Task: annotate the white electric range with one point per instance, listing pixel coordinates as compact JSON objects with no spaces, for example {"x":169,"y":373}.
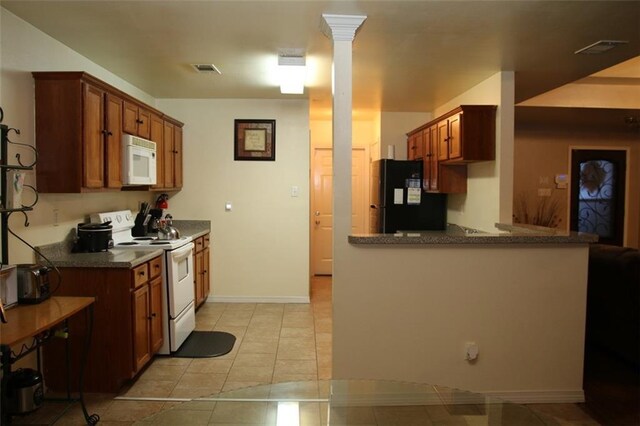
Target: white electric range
{"x":178,"y":299}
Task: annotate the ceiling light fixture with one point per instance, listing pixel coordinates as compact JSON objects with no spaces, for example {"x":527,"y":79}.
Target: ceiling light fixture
{"x":292,"y":73}
{"x":600,"y":47}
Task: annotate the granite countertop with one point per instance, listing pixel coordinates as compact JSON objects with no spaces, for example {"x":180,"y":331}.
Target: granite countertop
{"x":455,"y":234}
{"x":61,"y":256}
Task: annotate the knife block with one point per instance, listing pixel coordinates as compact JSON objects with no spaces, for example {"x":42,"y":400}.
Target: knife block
{"x":139,"y":229}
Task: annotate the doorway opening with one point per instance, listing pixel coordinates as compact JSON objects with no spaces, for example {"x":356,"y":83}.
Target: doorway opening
{"x":322,"y":204}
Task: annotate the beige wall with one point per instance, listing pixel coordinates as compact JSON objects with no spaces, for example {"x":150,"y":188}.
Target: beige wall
{"x":260,"y":249}
{"x":405,"y":313}
{"x":542,"y":153}
{"x":394,"y":129}
{"x":25,"y":49}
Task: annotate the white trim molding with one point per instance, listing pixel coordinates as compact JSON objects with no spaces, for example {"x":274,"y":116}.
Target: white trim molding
{"x":341,"y":27}
{"x":258,"y":299}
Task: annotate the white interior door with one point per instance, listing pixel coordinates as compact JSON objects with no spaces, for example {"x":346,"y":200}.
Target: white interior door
{"x":322,"y":207}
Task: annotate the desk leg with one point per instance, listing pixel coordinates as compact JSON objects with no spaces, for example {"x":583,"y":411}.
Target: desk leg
{"x":93,"y":418}
{"x":5,"y":358}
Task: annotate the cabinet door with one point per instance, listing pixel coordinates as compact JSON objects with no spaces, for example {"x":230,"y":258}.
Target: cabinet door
{"x":155,"y":301}
{"x":419,"y":146}
{"x":430,"y":160}
{"x":199,"y":285}
{"x":93,"y":146}
{"x":411,"y":147}
{"x":141,"y":327}
{"x":157,"y":136}
{"x":130,"y":118}
{"x":177,"y":157}
{"x":144,"y":123}
{"x":443,"y":138}
{"x":206,"y":273}
{"x":113,"y":141}
{"x":455,"y":143}
{"x":168,"y":154}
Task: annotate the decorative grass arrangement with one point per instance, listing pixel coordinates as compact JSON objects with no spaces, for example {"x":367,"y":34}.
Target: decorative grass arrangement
{"x":532,"y":209}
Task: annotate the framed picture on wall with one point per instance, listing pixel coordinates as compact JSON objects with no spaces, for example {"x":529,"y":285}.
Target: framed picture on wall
{"x":254,"y":140}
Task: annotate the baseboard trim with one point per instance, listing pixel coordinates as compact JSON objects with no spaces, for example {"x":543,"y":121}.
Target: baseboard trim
{"x":263,"y":299}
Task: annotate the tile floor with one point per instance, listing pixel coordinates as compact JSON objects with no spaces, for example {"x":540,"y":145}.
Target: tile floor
{"x":275,"y":343}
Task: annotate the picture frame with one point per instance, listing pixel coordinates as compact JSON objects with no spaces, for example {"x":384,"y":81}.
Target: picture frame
{"x":254,"y":140}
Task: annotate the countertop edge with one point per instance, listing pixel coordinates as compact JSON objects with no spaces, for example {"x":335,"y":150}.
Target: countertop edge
{"x":393,"y":239}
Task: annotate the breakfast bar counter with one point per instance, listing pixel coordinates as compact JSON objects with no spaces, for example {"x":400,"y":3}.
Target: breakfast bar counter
{"x":455,"y":234}
{"x":500,"y":313}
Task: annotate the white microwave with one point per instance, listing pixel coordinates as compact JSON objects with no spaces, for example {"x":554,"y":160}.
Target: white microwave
{"x":138,"y":161}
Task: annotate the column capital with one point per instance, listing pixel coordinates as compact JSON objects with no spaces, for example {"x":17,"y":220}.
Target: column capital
{"x":341,"y":27}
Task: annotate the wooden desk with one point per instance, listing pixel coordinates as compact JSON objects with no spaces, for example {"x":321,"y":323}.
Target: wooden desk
{"x":26,"y":321}
{"x":36,"y":322}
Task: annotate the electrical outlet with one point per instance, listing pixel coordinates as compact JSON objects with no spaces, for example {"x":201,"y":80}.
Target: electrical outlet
{"x":471,"y":351}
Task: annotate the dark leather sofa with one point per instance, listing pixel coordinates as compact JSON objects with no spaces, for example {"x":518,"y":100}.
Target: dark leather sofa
{"x":613,"y":301}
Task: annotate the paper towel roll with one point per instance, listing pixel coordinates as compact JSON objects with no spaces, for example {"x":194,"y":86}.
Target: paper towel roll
{"x":391,"y":152}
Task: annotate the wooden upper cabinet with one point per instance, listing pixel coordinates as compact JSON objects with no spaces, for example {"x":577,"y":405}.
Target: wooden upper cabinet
{"x":470,"y":134}
{"x":177,"y":157}
{"x":415,"y":146}
{"x":157,"y":136}
{"x":442,"y":135}
{"x":168,"y":154}
{"x":136,"y":120}
{"x":79,"y":124}
{"x":93,"y":137}
{"x":113,"y":141}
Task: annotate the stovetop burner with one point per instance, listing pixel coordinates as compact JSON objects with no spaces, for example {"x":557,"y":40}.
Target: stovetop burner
{"x":160,"y":242}
{"x":143,"y":238}
{"x":128,"y":243}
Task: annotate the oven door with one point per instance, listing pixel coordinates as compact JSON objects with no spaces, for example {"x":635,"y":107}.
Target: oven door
{"x":180,"y":279}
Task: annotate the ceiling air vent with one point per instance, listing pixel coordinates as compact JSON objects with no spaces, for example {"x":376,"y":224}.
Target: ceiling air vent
{"x":206,"y":68}
{"x":600,"y":47}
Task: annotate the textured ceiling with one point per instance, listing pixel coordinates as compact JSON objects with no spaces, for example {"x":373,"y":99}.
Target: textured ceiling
{"x":408,"y":55}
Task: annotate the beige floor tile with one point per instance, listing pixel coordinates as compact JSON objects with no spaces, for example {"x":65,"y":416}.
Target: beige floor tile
{"x":288,"y":377}
{"x":151,"y":388}
{"x":324,"y":373}
{"x":246,"y":388}
{"x":324,"y":325}
{"x":168,"y":360}
{"x":295,"y":366}
{"x":269,"y":307}
{"x":241,"y":412}
{"x":197,"y":384}
{"x":261,"y":334}
{"x":298,"y":307}
{"x":235,"y":307}
{"x":306,"y":332}
{"x":235,"y":318}
{"x":125,"y":411}
{"x":157,"y":371}
{"x":266,"y":347}
{"x":254,"y":360}
{"x":210,"y":365}
{"x":296,"y":348}
{"x":237,"y":331}
{"x":180,"y":418}
{"x":250,"y":374}
{"x":195,"y":405}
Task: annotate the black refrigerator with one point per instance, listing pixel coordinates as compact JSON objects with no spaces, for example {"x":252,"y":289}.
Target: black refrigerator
{"x":398,"y":202}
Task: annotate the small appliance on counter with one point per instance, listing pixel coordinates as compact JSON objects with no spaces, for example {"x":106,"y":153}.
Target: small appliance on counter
{"x":141,"y":221}
{"x":156,"y":215}
{"x":33,"y":283}
{"x":93,"y":237}
{"x":24,"y":391}
{"x":9,"y":285}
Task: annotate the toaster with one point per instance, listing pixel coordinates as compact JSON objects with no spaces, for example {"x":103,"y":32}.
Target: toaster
{"x":33,"y":283}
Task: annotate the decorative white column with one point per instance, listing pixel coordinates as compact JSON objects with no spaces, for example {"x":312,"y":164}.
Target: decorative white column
{"x":342,"y":30}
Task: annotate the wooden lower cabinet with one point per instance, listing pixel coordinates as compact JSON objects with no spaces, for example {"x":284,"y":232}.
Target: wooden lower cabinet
{"x":127,"y":327}
{"x":202,"y":277}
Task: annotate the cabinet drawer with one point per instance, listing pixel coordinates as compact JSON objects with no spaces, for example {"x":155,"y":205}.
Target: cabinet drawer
{"x":140,"y":275}
{"x":155,"y":267}
{"x":206,"y":241}
{"x":199,"y":243}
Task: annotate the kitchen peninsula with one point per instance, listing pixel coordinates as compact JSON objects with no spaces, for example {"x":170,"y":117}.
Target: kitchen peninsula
{"x":414,"y":306}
